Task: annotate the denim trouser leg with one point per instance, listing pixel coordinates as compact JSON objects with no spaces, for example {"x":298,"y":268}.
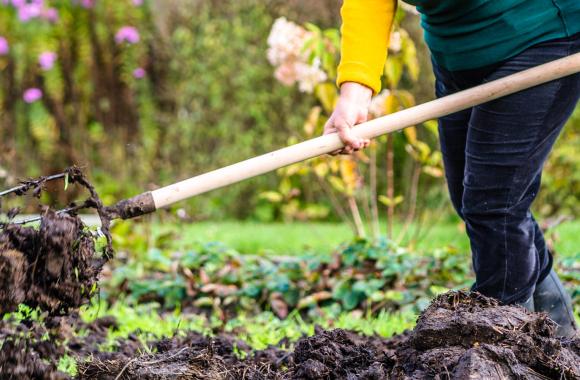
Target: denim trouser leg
{"x":493,"y":156}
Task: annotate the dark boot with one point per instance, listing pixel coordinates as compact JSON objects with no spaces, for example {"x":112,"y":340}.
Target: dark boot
{"x":551,"y":297}
{"x":529,"y":305}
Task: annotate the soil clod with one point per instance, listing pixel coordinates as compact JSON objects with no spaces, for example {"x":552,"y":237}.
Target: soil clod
{"x":53,"y":266}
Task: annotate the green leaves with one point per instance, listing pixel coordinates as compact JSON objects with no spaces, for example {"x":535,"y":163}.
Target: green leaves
{"x":365,"y":275}
{"x":391,"y":201}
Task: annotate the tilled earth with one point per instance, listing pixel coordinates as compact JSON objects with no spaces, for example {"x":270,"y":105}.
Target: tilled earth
{"x":459,"y":336}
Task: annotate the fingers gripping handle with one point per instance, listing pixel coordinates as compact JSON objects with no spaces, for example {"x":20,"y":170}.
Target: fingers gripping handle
{"x":265,"y":163}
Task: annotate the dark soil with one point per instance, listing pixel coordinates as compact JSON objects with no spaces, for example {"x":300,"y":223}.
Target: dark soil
{"x":459,"y":336}
{"x":55,"y":266}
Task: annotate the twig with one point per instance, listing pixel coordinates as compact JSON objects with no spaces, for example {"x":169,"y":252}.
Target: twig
{"x":373,"y":191}
{"x":62,"y":211}
{"x":335,"y":203}
{"x":413,"y":202}
{"x":390,"y":186}
{"x":26,"y":185}
{"x":360,"y":229}
{"x":125,"y":367}
{"x":149,"y":362}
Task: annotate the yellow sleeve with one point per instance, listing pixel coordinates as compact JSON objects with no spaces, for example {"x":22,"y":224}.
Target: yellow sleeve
{"x":366,"y":28}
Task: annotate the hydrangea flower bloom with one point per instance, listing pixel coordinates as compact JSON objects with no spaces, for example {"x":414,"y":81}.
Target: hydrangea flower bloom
{"x":139,"y":73}
{"x":286,"y":51}
{"x":285,"y":41}
{"x":309,"y":76}
{"x":32,"y":94}
{"x":4,"y":47}
{"x":286,"y":73}
{"x":127,"y":34}
{"x":46,"y":60}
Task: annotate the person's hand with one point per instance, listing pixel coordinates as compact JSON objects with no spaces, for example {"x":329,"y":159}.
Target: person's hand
{"x":351,"y":109}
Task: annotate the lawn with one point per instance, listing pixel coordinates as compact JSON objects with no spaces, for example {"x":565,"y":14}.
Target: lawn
{"x":322,"y":238}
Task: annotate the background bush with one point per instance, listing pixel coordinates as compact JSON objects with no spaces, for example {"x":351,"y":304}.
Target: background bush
{"x":208,"y":99}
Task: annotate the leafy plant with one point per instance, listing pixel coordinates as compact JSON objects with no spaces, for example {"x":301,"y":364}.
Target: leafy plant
{"x":365,"y":275}
{"x":313,"y":67}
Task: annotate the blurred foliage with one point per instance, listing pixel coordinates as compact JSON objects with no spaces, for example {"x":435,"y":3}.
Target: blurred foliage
{"x":208,"y":97}
{"x":195,"y":93}
{"x":560,"y":192}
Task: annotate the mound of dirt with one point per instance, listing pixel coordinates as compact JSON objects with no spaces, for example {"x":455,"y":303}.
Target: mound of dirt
{"x":55,"y":266}
{"x":466,"y":335}
{"x":460,"y":335}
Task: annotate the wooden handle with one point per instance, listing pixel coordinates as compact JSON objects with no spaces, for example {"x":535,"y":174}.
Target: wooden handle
{"x":325,"y":144}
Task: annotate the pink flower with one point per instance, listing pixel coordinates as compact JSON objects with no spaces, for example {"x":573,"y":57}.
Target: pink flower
{"x":27,"y":12}
{"x":46,"y":60}
{"x":127,"y":34}
{"x":4,"y":47}
{"x":18,"y":3}
{"x":87,"y":3}
{"x":50,"y":14}
{"x":286,"y":73}
{"x":137,"y":2}
{"x":32,"y":94}
{"x":286,"y":42}
{"x":139,"y":73}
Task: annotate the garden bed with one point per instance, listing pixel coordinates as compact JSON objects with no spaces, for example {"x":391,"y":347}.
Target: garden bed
{"x":460,"y":335}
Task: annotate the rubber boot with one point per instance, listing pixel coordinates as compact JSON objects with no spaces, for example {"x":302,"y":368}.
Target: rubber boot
{"x":551,"y":297}
{"x":529,"y":305}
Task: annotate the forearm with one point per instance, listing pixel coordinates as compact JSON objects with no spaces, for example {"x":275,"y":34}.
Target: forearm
{"x":366,"y":27}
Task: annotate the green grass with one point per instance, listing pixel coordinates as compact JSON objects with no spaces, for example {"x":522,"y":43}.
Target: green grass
{"x":322,"y":238}
{"x":259,"y":331}
{"x":567,"y":237}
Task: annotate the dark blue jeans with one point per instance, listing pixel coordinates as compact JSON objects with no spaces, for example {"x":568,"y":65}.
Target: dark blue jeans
{"x":493,"y":156}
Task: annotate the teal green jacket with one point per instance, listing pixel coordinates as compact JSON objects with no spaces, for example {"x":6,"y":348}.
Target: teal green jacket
{"x":467,"y":34}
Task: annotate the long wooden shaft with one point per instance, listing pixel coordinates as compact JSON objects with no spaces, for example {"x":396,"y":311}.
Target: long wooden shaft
{"x":325,"y":144}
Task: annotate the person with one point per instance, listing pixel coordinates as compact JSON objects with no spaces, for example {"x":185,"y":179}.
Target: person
{"x":493,"y":153}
